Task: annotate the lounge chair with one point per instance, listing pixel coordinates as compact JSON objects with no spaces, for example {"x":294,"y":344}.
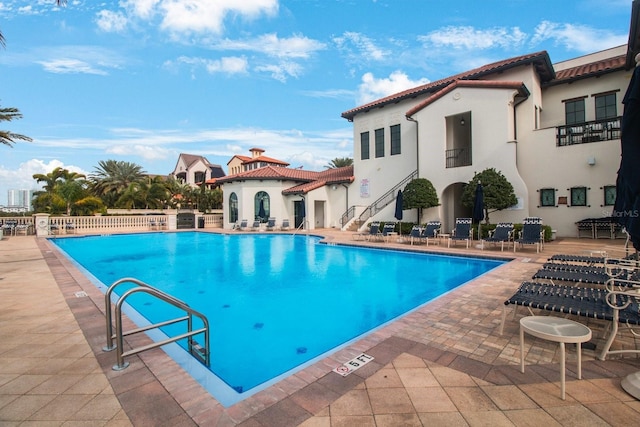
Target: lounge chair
{"x":153,"y":225}
{"x":616,"y":306}
{"x":612,"y":268}
{"x":388,"y":230}
{"x":462,"y":231}
{"x":415,"y":234}
{"x":285,"y":224}
{"x":162,"y":224}
{"x":256,"y":225}
{"x":501,"y":234}
{"x":374,"y":231}
{"x":589,"y":260}
{"x":244,"y":224}
{"x":271,"y":224}
{"x":431,"y":231}
{"x":531,"y":234}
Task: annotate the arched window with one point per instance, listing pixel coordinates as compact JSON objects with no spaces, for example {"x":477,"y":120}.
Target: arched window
{"x":261,"y":206}
{"x":233,"y":208}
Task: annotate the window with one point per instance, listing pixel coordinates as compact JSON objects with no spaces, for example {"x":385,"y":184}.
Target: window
{"x":364,"y":146}
{"x":609,"y":195}
{"x":606,"y":107}
{"x":579,"y":196}
{"x":548,"y":197}
{"x":233,"y":208}
{"x":395,"y":139}
{"x":574,"y":111}
{"x":261,"y":206}
{"x":379,"y":142}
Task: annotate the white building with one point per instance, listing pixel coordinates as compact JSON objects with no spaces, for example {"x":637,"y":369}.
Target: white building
{"x":553,"y":130}
{"x":18,"y":199}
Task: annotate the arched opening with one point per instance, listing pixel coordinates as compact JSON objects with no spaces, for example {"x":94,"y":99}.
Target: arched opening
{"x":233,"y":208}
{"x":261,"y":206}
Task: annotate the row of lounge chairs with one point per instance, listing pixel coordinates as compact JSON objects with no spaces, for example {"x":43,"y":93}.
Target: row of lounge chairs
{"x":257,"y":225}
{"x":531,"y":234}
{"x":585,"y":286}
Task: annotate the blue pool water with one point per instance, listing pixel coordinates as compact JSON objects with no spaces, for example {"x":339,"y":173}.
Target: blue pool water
{"x":274,"y":302}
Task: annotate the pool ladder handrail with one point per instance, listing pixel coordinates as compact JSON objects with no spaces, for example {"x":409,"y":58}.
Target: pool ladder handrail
{"x":200,"y":353}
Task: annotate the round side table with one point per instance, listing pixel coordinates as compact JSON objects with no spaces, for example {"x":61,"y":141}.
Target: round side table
{"x":555,"y":329}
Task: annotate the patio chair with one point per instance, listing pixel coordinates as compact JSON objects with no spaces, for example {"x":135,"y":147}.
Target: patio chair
{"x":431,"y":231}
{"x":244,"y":224}
{"x":608,"y":303}
{"x":462,"y":231}
{"x":271,"y":224}
{"x":501,"y":234}
{"x":285,"y":224}
{"x":415,"y":234}
{"x":153,"y":225}
{"x":531,"y":234}
{"x":21,"y":229}
{"x":374,"y":231}
{"x":388,"y":230}
{"x":256,"y":225}
{"x":70,"y":227}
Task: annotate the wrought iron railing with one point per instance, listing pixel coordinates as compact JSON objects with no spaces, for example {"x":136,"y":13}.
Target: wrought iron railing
{"x":593,"y":131}
{"x":457,"y":157}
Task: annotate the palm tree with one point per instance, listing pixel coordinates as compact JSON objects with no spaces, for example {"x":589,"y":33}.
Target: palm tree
{"x":6,"y":115}
{"x":339,"y":162}
{"x":60,"y":185}
{"x":112,"y":178}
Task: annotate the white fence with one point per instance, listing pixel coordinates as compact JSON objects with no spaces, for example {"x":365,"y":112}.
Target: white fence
{"x":98,"y":224}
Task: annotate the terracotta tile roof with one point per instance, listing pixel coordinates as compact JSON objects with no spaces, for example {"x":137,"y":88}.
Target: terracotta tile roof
{"x":591,"y":69}
{"x":540,"y":61}
{"x":266,"y":160}
{"x":489,"y":84}
{"x":307,"y":180}
{"x":272,"y":172}
{"x":242,"y":158}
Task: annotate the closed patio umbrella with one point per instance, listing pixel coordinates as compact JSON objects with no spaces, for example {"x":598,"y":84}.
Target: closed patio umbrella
{"x":261,"y":213}
{"x":478,"y":207}
{"x":398,"y":214}
{"x":627,"y":205}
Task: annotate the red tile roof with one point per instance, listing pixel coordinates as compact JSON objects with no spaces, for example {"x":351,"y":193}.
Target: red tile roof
{"x":307,"y":180}
{"x":266,"y":160}
{"x":540,"y":60}
{"x":490,"y":84}
{"x":591,"y":69}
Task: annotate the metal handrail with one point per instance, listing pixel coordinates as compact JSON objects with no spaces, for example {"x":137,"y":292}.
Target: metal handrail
{"x":202,"y":354}
{"x":385,"y":199}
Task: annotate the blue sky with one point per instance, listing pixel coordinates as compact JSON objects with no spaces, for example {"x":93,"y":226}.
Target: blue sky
{"x":145,"y":80}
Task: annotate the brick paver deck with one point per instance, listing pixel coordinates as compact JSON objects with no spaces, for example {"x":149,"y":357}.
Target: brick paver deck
{"x":444,"y":364}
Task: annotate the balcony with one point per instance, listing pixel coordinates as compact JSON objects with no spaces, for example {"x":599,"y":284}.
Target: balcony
{"x":594,"y":131}
{"x":458,"y":157}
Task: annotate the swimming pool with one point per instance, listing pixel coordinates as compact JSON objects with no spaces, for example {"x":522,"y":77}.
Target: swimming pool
{"x":275,"y":302}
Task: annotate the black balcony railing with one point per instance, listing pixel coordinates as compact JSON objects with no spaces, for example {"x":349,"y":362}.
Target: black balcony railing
{"x":594,"y":131}
{"x":457,"y":157}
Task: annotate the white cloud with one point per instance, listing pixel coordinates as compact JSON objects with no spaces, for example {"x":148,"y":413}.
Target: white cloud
{"x":372,"y":88}
{"x":296,"y":46}
{"x":198,"y":16}
{"x":281,"y":71}
{"x":111,"y":22}
{"x":577,"y":37}
{"x":471,"y":38}
{"x":70,"y":66}
{"x":229,"y":65}
{"x":360,"y":47}
{"x":22,"y":177}
{"x":147,"y":152}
